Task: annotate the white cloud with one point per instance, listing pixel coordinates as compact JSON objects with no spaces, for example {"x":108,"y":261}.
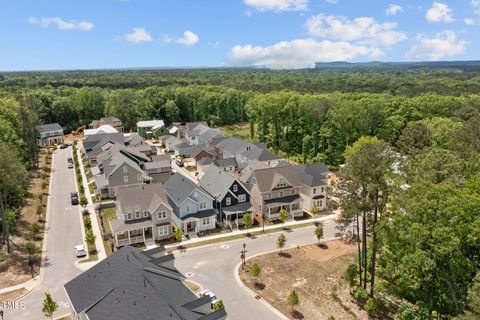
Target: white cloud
{"x":278,"y":5}
{"x":138,"y":35}
{"x":439,"y":12}
{"x":476,"y":5}
{"x":393,"y":9}
{"x":62,"y":24}
{"x":365,"y":30}
{"x":299,"y":53}
{"x":332,"y":1}
{"x":469,"y":21}
{"x":441,"y":45}
{"x":189,"y":38}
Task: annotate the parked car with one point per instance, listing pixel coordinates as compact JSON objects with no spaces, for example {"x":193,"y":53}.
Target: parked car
{"x":80,"y":251}
{"x":179,"y":162}
{"x":70,"y":160}
{"x":209,"y":294}
{"x":70,"y":143}
{"x":70,"y":165}
{"x":63,"y":146}
{"x":74,"y":198}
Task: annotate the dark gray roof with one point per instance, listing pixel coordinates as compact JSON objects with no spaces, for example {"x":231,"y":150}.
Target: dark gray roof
{"x":200,"y":214}
{"x":266,"y":177}
{"x":205,"y":161}
{"x":312,"y":175}
{"x":285,"y":200}
{"x":192,"y":125}
{"x":98,"y":140}
{"x":179,"y":187}
{"x":226,"y":162}
{"x":110,"y":119}
{"x":256,"y":153}
{"x":132,"y":285}
{"x":261,"y":145}
{"x":216,"y":182}
{"x":232,"y":144}
{"x":133,"y":139}
{"x":145,"y":197}
{"x":238,"y":208}
{"x":48,"y":127}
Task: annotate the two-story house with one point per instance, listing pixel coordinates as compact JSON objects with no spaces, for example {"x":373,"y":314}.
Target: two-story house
{"x":192,"y":206}
{"x":275,"y":189}
{"x":231,"y":199}
{"x":110,"y":120}
{"x":314,"y":190}
{"x":49,"y":134}
{"x":159,"y":169}
{"x":143,"y":215}
{"x":151,"y":128}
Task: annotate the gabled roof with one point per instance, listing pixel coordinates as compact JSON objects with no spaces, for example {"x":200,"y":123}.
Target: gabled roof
{"x":192,"y":125}
{"x":48,"y":127}
{"x":232,"y":144}
{"x":146,"y":197}
{"x":181,"y":145}
{"x":116,"y":161}
{"x":256,"y":153}
{"x":105,"y":128}
{"x":150,"y":124}
{"x":133,"y":139}
{"x":265,"y":178}
{"x":216,"y":182}
{"x":132,"y":153}
{"x":247,"y":173}
{"x":226,"y":162}
{"x":100,"y":139}
{"x":312,"y":175}
{"x":178,"y":188}
{"x":110,"y":119}
{"x":130,"y":284}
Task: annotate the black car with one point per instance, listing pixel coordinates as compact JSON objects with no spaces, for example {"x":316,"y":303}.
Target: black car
{"x":179,"y":163}
{"x":74,"y":198}
{"x":63,"y":146}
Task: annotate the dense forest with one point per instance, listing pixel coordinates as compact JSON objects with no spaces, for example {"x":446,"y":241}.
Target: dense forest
{"x":424,"y":216}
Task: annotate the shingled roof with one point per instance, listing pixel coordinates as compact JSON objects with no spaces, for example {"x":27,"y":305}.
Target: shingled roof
{"x":146,"y":197}
{"x":313,"y":175}
{"x":265,"y":177}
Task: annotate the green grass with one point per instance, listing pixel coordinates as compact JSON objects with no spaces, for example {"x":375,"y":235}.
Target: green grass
{"x":108,"y":248}
{"x":107,"y":215}
{"x":241,"y":236}
{"x":241,"y":130}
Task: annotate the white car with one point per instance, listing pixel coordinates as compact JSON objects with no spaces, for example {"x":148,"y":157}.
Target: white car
{"x":209,"y":294}
{"x":80,"y":251}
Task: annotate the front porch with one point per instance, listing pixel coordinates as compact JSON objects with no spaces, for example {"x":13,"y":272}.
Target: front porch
{"x":232,"y":216}
{"x":131,"y":233}
{"x":292,"y":204}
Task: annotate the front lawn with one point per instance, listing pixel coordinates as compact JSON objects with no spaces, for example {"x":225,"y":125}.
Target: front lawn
{"x":107,"y":215}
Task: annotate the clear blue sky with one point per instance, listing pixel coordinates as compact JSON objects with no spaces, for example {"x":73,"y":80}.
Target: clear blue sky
{"x":79,"y":34}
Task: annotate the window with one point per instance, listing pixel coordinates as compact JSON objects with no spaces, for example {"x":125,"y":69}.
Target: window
{"x":145,"y":214}
{"x":137,"y":215}
{"x":228,"y":201}
{"x":163,"y":230}
{"x":282,"y":183}
{"x":235,"y":188}
{"x":162,"y":215}
{"x":205,"y":221}
{"x":242,"y":198}
{"x":314,"y":190}
{"x":319,"y":203}
{"x":202,"y":205}
{"x":129,"y":216}
{"x":269,"y":196}
{"x":280,"y":194}
{"x":323,"y":189}
{"x":292,"y":192}
{"x":189,"y":208}
{"x":248,"y":148}
{"x":125,"y":179}
{"x":125,"y":169}
{"x":139,"y":177}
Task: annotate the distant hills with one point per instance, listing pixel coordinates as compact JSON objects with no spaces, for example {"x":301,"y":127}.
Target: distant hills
{"x":470,"y":65}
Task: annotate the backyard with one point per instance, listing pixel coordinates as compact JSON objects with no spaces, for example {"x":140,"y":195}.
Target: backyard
{"x":315,"y":273}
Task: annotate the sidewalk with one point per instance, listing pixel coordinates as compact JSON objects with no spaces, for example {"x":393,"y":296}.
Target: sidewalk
{"x":252,"y":230}
{"x":91,"y":209}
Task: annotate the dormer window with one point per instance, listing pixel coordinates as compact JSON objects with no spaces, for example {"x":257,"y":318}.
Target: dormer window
{"x":282,"y":183}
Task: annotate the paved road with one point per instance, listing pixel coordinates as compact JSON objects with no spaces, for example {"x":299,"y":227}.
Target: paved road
{"x":214,"y":266}
{"x":64,"y":232}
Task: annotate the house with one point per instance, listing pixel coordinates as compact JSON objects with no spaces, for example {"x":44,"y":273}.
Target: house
{"x":117,"y":171}
{"x":143,"y":215}
{"x":231,"y":198}
{"x":314,"y":190}
{"x":110,"y":120}
{"x":151,"y":128}
{"x":159,"y":169}
{"x":49,"y":134}
{"x":201,"y":134}
{"x":135,"y":284}
{"x":246,"y":176}
{"x":227,"y":164}
{"x":256,"y":153}
{"x":202,"y":165}
{"x":133,"y":140}
{"x":97,"y":141}
{"x":180,"y":149}
{"x":231,"y":146}
{"x":104,"y":128}
{"x":192,"y":206}
{"x":172,"y":141}
{"x":275,"y":189}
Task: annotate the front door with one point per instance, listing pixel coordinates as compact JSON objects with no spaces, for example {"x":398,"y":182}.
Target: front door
{"x":191,"y":226}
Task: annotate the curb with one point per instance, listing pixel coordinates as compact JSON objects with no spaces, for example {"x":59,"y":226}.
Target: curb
{"x":253,"y":293}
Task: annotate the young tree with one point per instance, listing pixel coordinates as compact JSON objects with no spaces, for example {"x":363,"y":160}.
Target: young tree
{"x":283,"y":216}
{"x":178,"y":234}
{"x":314,"y":209}
{"x":255,"y":270}
{"x":247,"y":221}
{"x":90,"y":237}
{"x":281,"y":240}
{"x":319,"y":231}
{"x":49,"y":306}
{"x":31,"y":249}
{"x":218,"y":305}
{"x":293,"y":300}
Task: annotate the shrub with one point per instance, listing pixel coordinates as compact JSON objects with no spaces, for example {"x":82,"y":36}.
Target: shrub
{"x":81,"y":189}
{"x":331,"y":318}
{"x":87,"y":222}
{"x":83,"y":201}
{"x":360,"y":293}
{"x":371,"y":306}
{"x":85,"y":212}
{"x":39,"y":210}
{"x":351,"y":274}
{"x":44,"y":184}
{"x":35,"y":228}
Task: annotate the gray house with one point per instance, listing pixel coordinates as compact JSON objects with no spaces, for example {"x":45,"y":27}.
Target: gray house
{"x":49,"y":134}
{"x":143,"y":215}
{"x":159,"y":169}
{"x":135,"y":284}
{"x":314,"y":190}
{"x":192,"y":206}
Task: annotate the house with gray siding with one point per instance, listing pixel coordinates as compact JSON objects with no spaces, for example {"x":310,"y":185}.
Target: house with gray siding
{"x":192,"y":206}
{"x":143,"y":215}
{"x":49,"y":134}
{"x":314,"y":179}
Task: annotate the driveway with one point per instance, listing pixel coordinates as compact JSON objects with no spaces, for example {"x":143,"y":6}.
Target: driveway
{"x":63,"y":233}
{"x":213,"y":267}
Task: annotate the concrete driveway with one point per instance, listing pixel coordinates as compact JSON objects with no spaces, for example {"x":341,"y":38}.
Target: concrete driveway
{"x":213,"y":267}
{"x":63,"y":233}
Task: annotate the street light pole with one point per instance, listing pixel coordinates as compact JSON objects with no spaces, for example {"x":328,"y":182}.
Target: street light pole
{"x":242,"y":256}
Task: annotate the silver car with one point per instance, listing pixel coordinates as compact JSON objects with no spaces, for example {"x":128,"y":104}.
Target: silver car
{"x":80,"y":251}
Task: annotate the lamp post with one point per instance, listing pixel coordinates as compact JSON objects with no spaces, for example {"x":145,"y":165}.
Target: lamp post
{"x":1,"y":314}
{"x":242,"y":256}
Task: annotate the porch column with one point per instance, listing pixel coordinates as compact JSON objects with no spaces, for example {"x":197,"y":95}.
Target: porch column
{"x":128,"y":232}
{"x":143,"y":231}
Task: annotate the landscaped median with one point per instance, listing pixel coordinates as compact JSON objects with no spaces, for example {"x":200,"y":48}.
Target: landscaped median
{"x":87,"y":223}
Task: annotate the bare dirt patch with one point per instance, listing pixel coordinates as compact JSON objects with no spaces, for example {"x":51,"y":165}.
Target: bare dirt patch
{"x":316,"y":274}
{"x":12,"y":295}
{"x":13,"y":267}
